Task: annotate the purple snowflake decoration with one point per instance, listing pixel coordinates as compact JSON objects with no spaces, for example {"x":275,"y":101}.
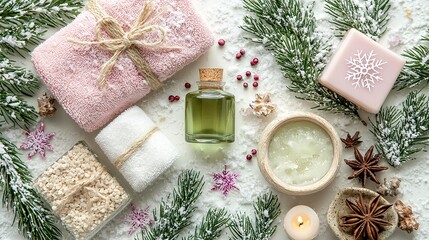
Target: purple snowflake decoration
{"x":138,"y":219}
{"x":38,"y":142}
{"x":225,"y":181}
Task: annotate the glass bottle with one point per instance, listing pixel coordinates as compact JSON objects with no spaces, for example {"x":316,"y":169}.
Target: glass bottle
{"x":210,"y":111}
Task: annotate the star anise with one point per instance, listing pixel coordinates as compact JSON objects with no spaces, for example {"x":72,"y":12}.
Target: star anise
{"x":367,"y":219}
{"x":350,"y":141}
{"x":365,"y":167}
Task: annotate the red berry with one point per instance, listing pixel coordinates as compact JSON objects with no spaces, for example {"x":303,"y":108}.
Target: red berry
{"x":256,"y":77}
{"x":252,"y":63}
{"x":238,"y":55}
{"x":221,"y":42}
{"x":255,"y":60}
{"x":245,"y":85}
{"x":249,"y":157}
{"x":248,"y":73}
{"x":242,"y":51}
{"x":177,"y":98}
{"x":239,"y":77}
{"x":254,"y":152}
{"x":255,"y":84}
{"x":187,"y":85}
{"x":171,"y":98}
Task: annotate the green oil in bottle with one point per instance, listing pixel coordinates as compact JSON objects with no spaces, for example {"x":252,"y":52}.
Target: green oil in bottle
{"x":210,"y":111}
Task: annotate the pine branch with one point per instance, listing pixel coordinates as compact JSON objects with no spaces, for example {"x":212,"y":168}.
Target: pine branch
{"x":267,"y":209}
{"x":16,"y":80}
{"x":416,"y":70}
{"x":18,"y":38}
{"x":403,"y":131}
{"x":22,"y":23}
{"x":176,"y":211}
{"x":34,"y":220}
{"x":288,"y":29}
{"x":369,"y":16}
{"x":211,"y":226}
{"x":14,"y":110}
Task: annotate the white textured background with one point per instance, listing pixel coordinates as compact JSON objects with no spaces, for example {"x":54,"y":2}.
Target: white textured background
{"x":224,"y":17}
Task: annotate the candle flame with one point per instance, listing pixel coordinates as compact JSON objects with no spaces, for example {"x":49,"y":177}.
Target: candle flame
{"x":300,"y":221}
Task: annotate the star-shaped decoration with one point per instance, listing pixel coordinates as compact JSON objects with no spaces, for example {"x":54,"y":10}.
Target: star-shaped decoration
{"x":350,"y":141}
{"x":225,"y":181}
{"x":38,"y":142}
{"x":138,"y":219}
{"x":365,"y":167}
{"x":367,"y":219}
{"x":262,"y":106}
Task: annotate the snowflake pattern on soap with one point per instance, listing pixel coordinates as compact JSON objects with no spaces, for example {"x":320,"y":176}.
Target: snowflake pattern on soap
{"x":224,"y":181}
{"x":364,"y":69}
{"x":38,"y":142}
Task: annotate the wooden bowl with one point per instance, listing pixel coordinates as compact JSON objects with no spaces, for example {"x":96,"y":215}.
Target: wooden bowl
{"x":263,"y":158}
{"x":339,"y":208}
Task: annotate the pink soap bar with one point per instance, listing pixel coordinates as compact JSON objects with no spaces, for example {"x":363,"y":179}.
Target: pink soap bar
{"x":362,"y":71}
{"x":70,"y":71}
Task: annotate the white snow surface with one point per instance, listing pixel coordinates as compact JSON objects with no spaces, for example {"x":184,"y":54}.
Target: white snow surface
{"x":224,"y":18}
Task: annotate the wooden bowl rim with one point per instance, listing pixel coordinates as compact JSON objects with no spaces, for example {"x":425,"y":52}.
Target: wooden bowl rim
{"x":265,"y":141}
{"x":332,"y":215}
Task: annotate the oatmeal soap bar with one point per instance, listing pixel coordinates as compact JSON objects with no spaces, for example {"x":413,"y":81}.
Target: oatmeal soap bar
{"x":362,"y":71}
{"x":81,"y":192}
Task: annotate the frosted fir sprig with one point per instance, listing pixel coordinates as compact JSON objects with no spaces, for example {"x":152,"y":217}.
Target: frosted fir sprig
{"x":175,"y":212}
{"x":15,"y":79}
{"x":267,"y":209}
{"x":18,"y":38}
{"x":288,"y":29}
{"x":416,"y":70}
{"x":14,"y":110}
{"x":50,"y":13}
{"x":368,"y":16}
{"x":34,"y":220}
{"x":403,"y":131}
{"x":22,"y":23}
{"x":211,"y":226}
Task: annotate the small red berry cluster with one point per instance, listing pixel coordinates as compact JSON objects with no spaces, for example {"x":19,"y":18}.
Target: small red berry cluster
{"x":173,"y":98}
{"x":248,"y":74}
{"x":249,"y":156}
{"x":253,"y":62}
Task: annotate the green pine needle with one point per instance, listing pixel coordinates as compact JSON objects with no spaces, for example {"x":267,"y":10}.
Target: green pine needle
{"x":211,"y":226}
{"x":22,"y":23}
{"x":267,"y":209}
{"x":16,"y":80}
{"x":175,"y":213}
{"x":14,"y":110}
{"x":34,"y":220}
{"x":288,"y":29}
{"x":368,"y":16}
{"x":403,"y":131}
{"x":416,"y":70}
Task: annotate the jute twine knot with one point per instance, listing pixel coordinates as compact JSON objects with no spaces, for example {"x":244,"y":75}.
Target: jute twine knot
{"x":127,"y":42}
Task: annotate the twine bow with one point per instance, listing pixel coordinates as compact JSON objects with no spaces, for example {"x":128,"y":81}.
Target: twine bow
{"x":126,"y":42}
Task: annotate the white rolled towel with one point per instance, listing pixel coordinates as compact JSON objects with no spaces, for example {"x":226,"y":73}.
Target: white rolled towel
{"x":148,"y":152}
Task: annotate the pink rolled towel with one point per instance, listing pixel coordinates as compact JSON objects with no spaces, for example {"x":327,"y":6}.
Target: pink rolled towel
{"x":70,"y":71}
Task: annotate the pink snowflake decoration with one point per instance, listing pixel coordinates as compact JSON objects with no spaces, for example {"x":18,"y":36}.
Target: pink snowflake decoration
{"x":138,"y":219}
{"x":38,"y":142}
{"x":225,"y":181}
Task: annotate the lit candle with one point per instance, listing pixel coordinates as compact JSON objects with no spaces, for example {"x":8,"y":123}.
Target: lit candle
{"x":300,"y":153}
{"x":301,"y":223}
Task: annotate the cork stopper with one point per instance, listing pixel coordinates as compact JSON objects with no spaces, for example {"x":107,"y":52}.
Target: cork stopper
{"x":211,"y":74}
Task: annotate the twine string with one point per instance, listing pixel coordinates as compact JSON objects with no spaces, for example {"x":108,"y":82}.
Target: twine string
{"x":121,"y":42}
{"x":136,"y":145}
